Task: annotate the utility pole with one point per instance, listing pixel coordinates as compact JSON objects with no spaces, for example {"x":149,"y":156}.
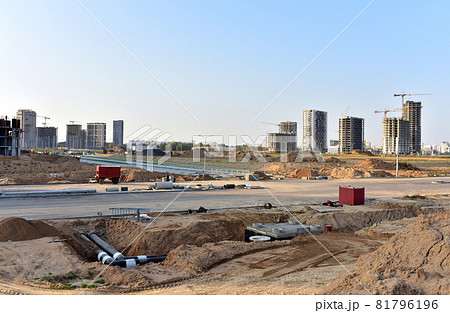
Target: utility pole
{"x":396,"y":165}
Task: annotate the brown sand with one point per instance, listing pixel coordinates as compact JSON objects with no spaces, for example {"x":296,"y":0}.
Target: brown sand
{"x":19,"y":229}
{"x":414,"y":261}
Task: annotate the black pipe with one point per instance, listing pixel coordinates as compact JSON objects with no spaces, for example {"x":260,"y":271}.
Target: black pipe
{"x":147,"y":258}
{"x":106,"y":259}
{"x":116,"y":255}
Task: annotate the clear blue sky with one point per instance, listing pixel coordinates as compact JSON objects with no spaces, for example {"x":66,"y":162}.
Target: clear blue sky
{"x":225,"y":60}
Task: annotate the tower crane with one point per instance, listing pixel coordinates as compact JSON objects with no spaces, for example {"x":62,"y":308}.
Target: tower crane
{"x":346,"y":111}
{"x":410,"y":94}
{"x":271,"y":123}
{"x":389,"y":110}
{"x":45,"y":118}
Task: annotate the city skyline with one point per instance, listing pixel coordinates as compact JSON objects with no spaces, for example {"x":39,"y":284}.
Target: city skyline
{"x":226,"y":67}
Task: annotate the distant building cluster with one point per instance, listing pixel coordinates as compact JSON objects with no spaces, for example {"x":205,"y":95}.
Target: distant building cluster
{"x":22,"y":133}
{"x":402,"y":135}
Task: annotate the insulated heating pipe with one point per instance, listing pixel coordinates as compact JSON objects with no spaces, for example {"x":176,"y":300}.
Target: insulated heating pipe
{"x":106,"y":259}
{"x":116,"y":255}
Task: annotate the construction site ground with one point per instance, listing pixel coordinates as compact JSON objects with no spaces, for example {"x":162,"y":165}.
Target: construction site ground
{"x":207,"y":253}
{"x":396,"y":243}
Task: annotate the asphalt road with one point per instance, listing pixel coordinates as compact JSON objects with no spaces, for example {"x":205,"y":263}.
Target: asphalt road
{"x":287,"y":192}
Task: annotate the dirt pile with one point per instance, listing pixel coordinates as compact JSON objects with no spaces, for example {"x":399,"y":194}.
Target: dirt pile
{"x":191,"y":154}
{"x":414,"y":261}
{"x":130,"y":175}
{"x":333,"y":160}
{"x":344,"y":173}
{"x":41,"y":169}
{"x":19,"y":229}
{"x":294,"y":156}
{"x":194,"y":259}
{"x":375,"y":164}
{"x":361,"y":152}
{"x":303,"y":172}
{"x":162,"y":239}
{"x":410,"y":173}
{"x":351,"y":221}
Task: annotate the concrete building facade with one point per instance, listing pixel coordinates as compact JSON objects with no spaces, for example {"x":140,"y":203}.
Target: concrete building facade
{"x":118,"y":133}
{"x":412,"y":112}
{"x":351,"y":134}
{"x":47,"y":138}
{"x":96,"y":136}
{"x":75,"y":137}
{"x":9,"y":137}
{"x":286,"y":138}
{"x":396,"y":130}
{"x":29,"y":131}
{"x":315,"y":130}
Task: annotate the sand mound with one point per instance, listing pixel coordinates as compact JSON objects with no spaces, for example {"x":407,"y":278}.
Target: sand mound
{"x":38,"y":169}
{"x":129,"y":175}
{"x":194,"y":259}
{"x":191,"y":154}
{"x":303,"y":172}
{"x":414,"y":261}
{"x":162,"y":239}
{"x":376,"y":164}
{"x":19,"y":229}
{"x":333,"y":160}
{"x":361,"y":152}
{"x":345,"y":173}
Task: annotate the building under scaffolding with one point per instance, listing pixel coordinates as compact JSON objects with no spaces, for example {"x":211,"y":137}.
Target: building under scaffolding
{"x":412,"y":112}
{"x":10,"y":137}
{"x":315,"y":130}
{"x":396,"y":133}
{"x":75,"y":137}
{"x":286,"y":138}
{"x":351,"y":134}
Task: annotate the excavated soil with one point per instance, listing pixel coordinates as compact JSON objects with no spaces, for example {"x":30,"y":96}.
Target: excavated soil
{"x":166,"y":234}
{"x":19,"y":229}
{"x":414,"y":261}
{"x":350,"y":220}
{"x":335,"y":168}
{"x":41,"y":169}
{"x":207,"y":254}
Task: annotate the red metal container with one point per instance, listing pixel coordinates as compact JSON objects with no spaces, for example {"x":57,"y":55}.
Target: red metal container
{"x":327,"y":227}
{"x":351,"y":195}
{"x":111,"y":172}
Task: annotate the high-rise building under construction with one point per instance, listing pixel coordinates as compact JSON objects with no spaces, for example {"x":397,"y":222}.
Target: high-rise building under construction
{"x":315,"y":130}
{"x":96,"y":136}
{"x":351,"y":134}
{"x":47,"y":137}
{"x":396,"y":135}
{"x":75,"y":137}
{"x":118,"y":133}
{"x":286,"y":138}
{"x":29,"y":131}
{"x":412,"y":112}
